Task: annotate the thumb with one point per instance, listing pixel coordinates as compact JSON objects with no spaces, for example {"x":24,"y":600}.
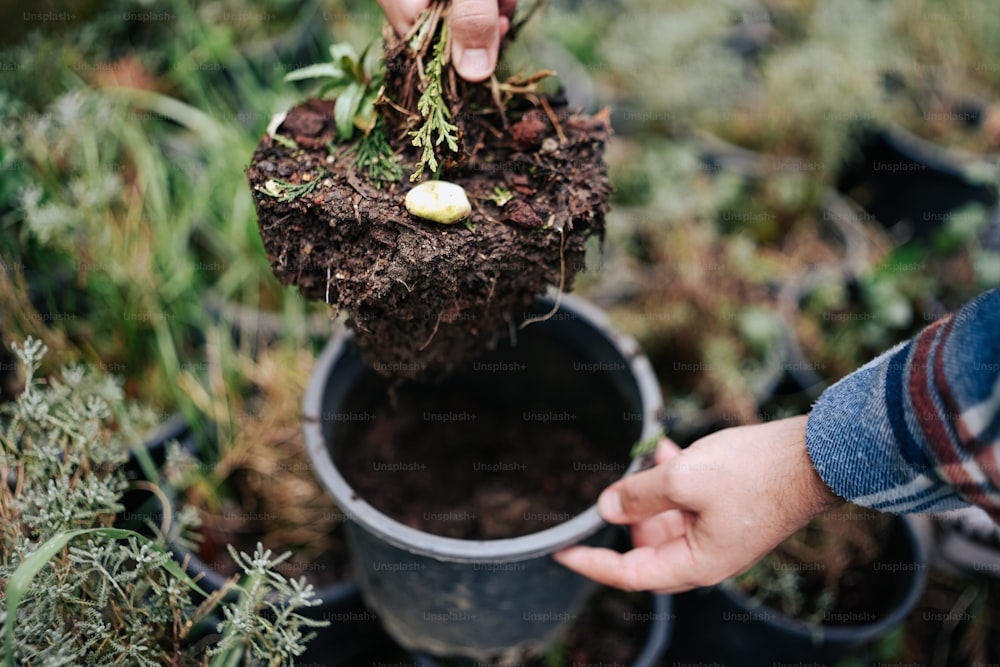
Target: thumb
{"x":639,"y":496}
{"x":475,"y":29}
{"x":665,"y":450}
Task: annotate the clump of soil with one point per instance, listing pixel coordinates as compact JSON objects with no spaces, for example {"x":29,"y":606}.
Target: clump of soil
{"x":421,"y":296}
{"x":487,"y":460}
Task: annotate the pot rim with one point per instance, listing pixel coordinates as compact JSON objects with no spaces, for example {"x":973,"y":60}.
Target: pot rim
{"x":475,"y":551}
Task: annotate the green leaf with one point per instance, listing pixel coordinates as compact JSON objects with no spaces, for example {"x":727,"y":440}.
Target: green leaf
{"x":353,"y":68}
{"x":346,"y":106}
{"x":318,"y":70}
{"x":648,"y":446}
{"x":20,"y":579}
{"x":371,"y":59}
{"x":365,"y":118}
{"x":341,"y":50}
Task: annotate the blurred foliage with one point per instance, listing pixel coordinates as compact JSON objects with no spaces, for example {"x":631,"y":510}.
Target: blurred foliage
{"x":122,"y":132}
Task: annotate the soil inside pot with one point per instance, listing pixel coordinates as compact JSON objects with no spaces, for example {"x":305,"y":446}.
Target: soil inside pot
{"x":838,"y":554}
{"x":488,"y":453}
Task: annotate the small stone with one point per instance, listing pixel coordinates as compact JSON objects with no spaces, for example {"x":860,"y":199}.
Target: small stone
{"x":439,"y":201}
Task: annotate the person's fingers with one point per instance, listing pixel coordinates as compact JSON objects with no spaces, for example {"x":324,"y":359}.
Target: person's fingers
{"x":638,"y":496}
{"x":666,"y":568}
{"x":507,"y":8}
{"x":475,"y":30}
{"x":402,"y":13}
{"x":660,"y":528}
{"x":666,"y":450}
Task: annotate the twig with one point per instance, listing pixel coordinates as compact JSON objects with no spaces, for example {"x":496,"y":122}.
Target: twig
{"x":437,"y":323}
{"x":553,"y":118}
{"x":495,"y":91}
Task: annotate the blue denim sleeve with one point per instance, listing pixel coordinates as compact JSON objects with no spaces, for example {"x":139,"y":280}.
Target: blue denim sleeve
{"x":918,"y":428}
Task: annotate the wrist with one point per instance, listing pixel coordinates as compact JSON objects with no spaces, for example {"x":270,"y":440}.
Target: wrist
{"x":813,"y":494}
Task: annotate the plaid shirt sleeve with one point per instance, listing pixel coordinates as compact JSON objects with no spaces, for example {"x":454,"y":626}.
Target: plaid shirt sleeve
{"x":918,"y":428}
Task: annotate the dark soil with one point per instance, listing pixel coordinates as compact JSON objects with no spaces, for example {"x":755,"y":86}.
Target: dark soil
{"x":487,"y":458}
{"x":421,"y":296}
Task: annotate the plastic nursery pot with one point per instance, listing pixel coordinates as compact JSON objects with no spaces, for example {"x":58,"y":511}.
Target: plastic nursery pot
{"x":911,"y":185}
{"x":655,"y":618}
{"x":727,"y":626}
{"x":482,"y":599}
{"x":966,"y":540}
{"x":353,"y":629}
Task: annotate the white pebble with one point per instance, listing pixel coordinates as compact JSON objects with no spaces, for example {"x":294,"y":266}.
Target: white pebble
{"x":440,"y":201}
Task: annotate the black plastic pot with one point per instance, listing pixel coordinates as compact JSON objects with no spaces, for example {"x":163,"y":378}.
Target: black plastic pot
{"x":727,"y":627}
{"x":353,"y":629}
{"x":967,"y":541}
{"x":910,"y":185}
{"x":657,"y":617}
{"x":479,"y":599}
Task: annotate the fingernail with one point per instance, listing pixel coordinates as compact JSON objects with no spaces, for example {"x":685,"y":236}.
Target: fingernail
{"x":474,"y":63}
{"x":610,"y":505}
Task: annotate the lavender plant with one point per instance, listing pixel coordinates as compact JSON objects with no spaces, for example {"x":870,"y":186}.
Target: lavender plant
{"x":76,"y":590}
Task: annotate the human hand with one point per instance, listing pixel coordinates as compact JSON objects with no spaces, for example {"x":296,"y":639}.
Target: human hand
{"x":477,"y":26}
{"x":707,"y":512}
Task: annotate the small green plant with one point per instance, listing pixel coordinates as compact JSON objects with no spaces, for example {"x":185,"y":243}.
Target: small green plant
{"x":434,"y":111}
{"x":782,"y":585}
{"x":285,"y":191}
{"x":501,"y":196}
{"x":357,"y":81}
{"x":809,"y":574}
{"x":257,"y":626}
{"x":375,"y":156}
{"x":75,"y":589}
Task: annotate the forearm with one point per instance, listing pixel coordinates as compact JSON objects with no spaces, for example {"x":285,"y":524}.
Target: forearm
{"x":918,"y":428}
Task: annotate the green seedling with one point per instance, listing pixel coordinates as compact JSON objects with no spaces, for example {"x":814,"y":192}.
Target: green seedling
{"x":357,"y":82}
{"x":501,"y":196}
{"x":436,"y":128}
{"x":284,"y":191}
